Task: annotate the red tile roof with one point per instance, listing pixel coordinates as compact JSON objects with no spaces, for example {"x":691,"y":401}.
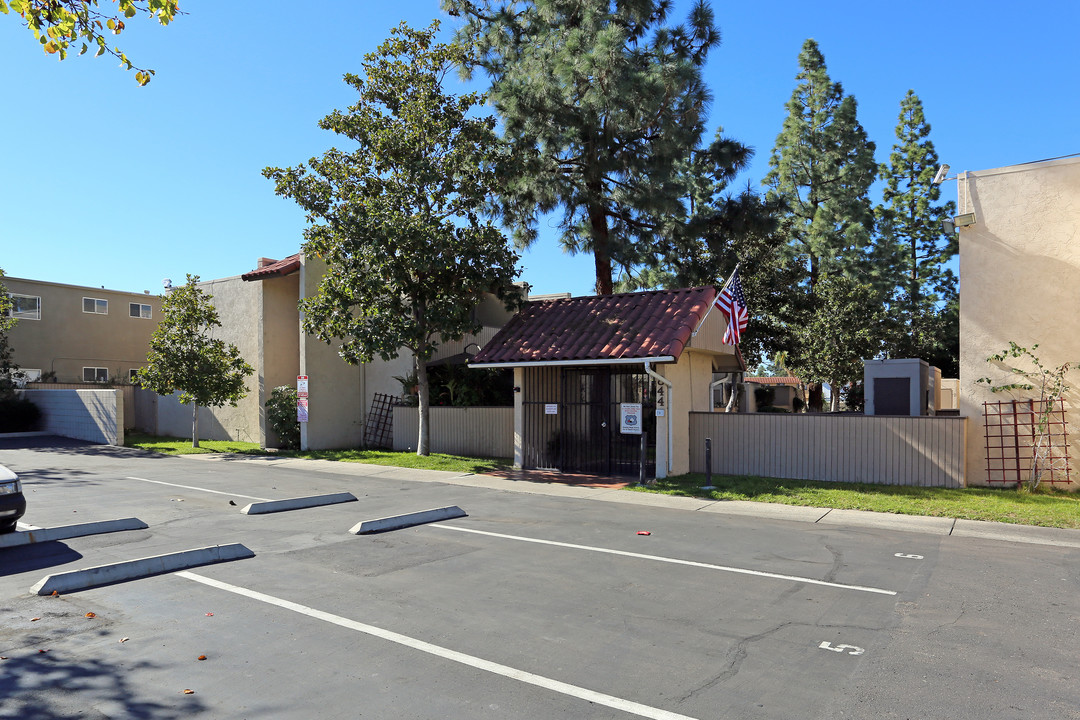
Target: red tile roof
{"x":773,"y":380}
{"x":278,"y":267}
{"x":623,"y":327}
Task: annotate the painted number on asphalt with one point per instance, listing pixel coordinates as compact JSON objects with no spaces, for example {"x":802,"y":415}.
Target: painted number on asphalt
{"x":913,"y":557}
{"x":853,"y":649}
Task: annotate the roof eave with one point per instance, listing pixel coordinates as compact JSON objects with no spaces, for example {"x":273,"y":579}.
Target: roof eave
{"x":569,"y":363}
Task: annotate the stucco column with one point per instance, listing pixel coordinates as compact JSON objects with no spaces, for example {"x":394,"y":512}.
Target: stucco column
{"x":519,"y":418}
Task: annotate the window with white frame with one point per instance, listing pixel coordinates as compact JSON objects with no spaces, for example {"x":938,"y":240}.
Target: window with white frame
{"x":95,"y":374}
{"x":95,"y":305}
{"x":133,"y":375}
{"x":25,"y":375}
{"x":138,"y":310}
{"x":25,"y":307}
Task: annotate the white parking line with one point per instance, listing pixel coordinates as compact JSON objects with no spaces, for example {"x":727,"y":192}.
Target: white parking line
{"x":208,"y":490}
{"x":674,"y":561}
{"x":506,"y":671}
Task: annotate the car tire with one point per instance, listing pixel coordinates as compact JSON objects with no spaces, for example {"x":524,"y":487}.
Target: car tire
{"x":7,"y":527}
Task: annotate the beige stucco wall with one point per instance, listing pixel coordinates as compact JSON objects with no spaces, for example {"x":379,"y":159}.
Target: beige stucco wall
{"x":280,"y":352}
{"x":335,"y":388}
{"x":1020,"y":281}
{"x":239,"y":307}
{"x":66,"y":339}
{"x":690,"y":378}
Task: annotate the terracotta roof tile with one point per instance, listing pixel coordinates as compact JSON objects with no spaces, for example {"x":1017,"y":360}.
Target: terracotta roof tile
{"x":773,"y":380}
{"x":603,"y":327}
{"x":280,"y":267}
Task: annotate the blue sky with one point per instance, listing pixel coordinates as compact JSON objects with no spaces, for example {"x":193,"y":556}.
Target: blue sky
{"x":104,"y":183}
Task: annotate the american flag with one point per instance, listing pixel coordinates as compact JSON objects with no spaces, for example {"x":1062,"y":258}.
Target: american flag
{"x":732,"y":302}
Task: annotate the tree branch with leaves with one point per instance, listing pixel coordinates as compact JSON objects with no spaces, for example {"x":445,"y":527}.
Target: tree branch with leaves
{"x":59,"y":24}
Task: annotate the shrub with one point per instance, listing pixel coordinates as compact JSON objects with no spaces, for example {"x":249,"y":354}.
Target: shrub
{"x":281,"y":416}
{"x":764,"y":395}
{"x":17,"y":414}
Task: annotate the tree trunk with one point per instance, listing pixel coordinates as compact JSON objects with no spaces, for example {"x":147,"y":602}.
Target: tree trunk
{"x":834,"y":397}
{"x":422,"y":391}
{"x":733,"y":401}
{"x":816,"y":399}
{"x":194,"y":424}
{"x":601,"y":255}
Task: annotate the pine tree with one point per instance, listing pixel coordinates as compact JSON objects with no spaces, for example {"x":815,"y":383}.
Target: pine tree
{"x":909,"y":224}
{"x":602,"y":104}
{"x":821,"y":168}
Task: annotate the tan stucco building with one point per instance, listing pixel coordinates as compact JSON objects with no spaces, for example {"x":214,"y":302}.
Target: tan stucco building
{"x":74,"y":334}
{"x":1020,"y":281}
{"x":259,"y":314}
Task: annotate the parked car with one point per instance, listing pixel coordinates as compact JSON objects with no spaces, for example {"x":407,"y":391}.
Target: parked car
{"x":12,"y":500}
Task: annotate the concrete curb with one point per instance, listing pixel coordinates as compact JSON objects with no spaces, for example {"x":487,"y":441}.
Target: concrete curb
{"x":76,"y":580}
{"x":298,"y":503}
{"x":1031,"y":534}
{"x":397,"y":522}
{"x":63,"y":532}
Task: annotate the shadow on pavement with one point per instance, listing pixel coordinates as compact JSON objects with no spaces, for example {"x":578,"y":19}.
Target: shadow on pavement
{"x":35,"y":556}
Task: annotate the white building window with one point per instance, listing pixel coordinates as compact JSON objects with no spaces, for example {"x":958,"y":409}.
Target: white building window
{"x":133,"y":373}
{"x":25,"y":307}
{"x":138,"y":310}
{"x":95,"y":305}
{"x":95,"y":374}
{"x":25,"y":375}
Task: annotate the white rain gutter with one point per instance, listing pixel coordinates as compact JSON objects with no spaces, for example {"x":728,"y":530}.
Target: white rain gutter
{"x":660,"y":378}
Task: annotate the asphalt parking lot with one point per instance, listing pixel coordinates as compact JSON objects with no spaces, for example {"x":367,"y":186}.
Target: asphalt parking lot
{"x":543,"y":602}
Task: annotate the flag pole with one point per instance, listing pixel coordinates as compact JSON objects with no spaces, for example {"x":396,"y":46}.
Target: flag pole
{"x":713,"y":304}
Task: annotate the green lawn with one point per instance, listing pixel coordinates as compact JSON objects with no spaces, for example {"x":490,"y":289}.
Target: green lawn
{"x":434,"y":461}
{"x":1048,"y":508}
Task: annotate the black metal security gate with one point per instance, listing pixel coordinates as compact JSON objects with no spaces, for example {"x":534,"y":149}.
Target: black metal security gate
{"x":572,"y":420}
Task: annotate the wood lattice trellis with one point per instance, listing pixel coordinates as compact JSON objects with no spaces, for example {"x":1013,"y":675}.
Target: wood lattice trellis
{"x":1011,"y":430}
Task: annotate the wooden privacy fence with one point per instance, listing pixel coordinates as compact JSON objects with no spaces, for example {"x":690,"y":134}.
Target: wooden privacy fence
{"x":471,"y":431}
{"x":924,"y":451}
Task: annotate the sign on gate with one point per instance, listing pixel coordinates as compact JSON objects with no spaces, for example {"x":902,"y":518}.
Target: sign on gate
{"x":631,"y":418}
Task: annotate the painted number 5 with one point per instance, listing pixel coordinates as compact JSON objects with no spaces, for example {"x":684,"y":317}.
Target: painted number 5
{"x":853,"y":650}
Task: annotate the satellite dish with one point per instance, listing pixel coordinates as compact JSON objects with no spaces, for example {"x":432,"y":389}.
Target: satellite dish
{"x":167,"y":284}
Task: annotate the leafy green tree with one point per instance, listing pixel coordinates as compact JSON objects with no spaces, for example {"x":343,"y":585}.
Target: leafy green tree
{"x":845,"y":327}
{"x":398,"y":220}
{"x":58,"y":24}
{"x":909,"y":223}
{"x":184,"y":356}
{"x":603,"y":106}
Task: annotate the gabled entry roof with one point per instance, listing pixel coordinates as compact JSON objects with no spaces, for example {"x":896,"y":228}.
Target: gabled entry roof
{"x":602,"y":329}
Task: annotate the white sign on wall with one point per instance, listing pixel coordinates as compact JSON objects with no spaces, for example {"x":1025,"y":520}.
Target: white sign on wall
{"x":551,"y":408}
{"x":631,"y":418}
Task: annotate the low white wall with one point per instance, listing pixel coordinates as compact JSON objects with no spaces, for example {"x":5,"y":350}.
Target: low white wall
{"x":91,"y":415}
